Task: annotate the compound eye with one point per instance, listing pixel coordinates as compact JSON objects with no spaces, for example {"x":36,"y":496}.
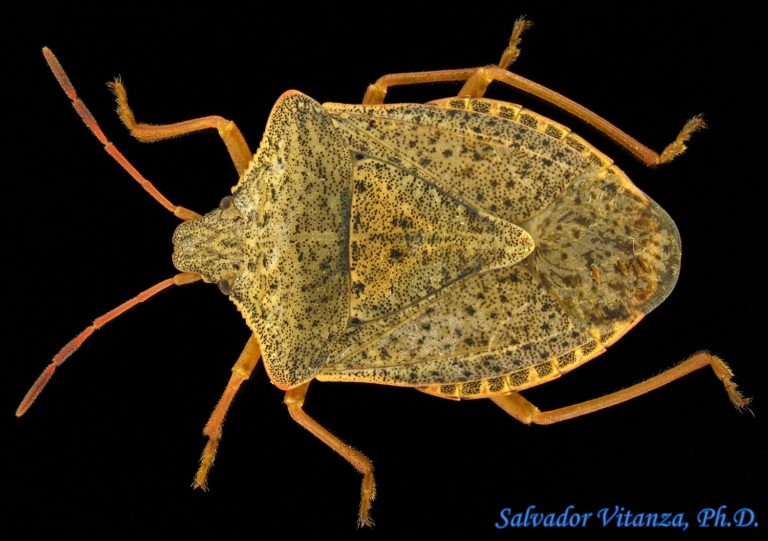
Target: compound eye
{"x":226,"y":202}
{"x":224,"y":286}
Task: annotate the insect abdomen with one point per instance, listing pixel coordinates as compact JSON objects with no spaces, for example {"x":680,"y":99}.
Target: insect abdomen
{"x":528,"y":377}
{"x":604,"y":256}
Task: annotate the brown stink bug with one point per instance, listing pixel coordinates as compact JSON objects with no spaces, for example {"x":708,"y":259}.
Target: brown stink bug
{"x":469,"y":248}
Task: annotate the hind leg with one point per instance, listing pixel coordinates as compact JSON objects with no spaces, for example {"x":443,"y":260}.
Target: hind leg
{"x":525,"y":412}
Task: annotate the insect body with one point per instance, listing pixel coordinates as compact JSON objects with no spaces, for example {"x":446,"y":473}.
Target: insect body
{"x":467,"y":247}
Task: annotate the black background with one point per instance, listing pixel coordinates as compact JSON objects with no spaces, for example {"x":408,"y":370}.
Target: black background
{"x":112,"y":445}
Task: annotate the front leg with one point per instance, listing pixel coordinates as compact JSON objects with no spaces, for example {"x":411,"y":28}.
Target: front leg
{"x":147,"y":133}
{"x":240,"y":373}
{"x":294,"y":399}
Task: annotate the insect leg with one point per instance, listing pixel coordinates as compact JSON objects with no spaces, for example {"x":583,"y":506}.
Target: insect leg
{"x":525,"y":412}
{"x":478,"y":82}
{"x":512,"y":52}
{"x":377,"y":91}
{"x":241,"y":371}
{"x":236,"y":146}
{"x":478,"y":79}
{"x":294,"y":399}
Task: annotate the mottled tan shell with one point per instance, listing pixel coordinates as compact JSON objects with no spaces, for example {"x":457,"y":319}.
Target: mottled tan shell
{"x":466,"y":247}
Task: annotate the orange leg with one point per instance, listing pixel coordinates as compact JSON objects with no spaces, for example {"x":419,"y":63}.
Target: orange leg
{"x":525,"y":412}
{"x":74,"y":344}
{"x":236,"y":146}
{"x":477,"y":81}
{"x":240,"y":372}
{"x":376,"y":92}
{"x":512,"y":52}
{"x":294,"y":399}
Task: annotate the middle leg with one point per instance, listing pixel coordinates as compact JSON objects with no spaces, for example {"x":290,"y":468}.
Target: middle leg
{"x":376,"y":92}
{"x":294,"y":399}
